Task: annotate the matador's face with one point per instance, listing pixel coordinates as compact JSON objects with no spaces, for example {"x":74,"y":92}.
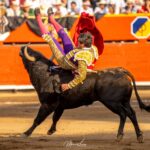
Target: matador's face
{"x":81,"y":45}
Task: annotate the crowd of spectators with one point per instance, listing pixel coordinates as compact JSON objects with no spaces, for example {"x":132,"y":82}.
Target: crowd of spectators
{"x":98,"y":8}
{"x":25,"y":8}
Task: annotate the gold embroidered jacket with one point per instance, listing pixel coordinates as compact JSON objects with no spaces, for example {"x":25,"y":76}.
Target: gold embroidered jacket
{"x":82,"y":58}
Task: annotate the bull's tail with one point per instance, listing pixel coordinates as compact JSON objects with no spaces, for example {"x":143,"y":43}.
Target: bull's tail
{"x":141,"y":104}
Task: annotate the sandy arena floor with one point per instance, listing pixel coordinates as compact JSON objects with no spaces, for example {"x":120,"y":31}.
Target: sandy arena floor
{"x":85,"y":128}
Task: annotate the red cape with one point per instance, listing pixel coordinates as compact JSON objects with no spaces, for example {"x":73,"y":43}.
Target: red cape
{"x":87,"y":24}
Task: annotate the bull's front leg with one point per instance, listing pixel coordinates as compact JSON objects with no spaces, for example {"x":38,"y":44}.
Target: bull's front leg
{"x":44,"y":111}
{"x":57,"y":114}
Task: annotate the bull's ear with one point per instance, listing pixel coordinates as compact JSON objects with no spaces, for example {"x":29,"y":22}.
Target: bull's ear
{"x":30,"y":58}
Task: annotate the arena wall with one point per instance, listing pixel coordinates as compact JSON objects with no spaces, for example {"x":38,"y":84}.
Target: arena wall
{"x":121,"y":49}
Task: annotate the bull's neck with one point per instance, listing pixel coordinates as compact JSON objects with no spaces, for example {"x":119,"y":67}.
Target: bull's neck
{"x":39,"y":74}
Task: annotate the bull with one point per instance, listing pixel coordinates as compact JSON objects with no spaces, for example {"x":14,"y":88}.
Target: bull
{"x":111,"y":86}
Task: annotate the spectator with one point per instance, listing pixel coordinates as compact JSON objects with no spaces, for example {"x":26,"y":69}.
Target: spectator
{"x":21,"y":1}
{"x":130,"y":7}
{"x":59,"y":9}
{"x":3,"y":19}
{"x":2,"y":5}
{"x":35,"y":4}
{"x":111,"y":7}
{"x":146,"y":7}
{"x":86,"y":7}
{"x":3,"y":22}
{"x":119,"y":6}
{"x":26,"y":9}
{"x":138,"y":5}
{"x":14,"y":10}
{"x":78,"y":2}
{"x":64,"y":3}
{"x":101,"y":8}
{"x":93,"y":3}
{"x":74,"y":9}
{"x":7,"y":3}
{"x":44,"y":5}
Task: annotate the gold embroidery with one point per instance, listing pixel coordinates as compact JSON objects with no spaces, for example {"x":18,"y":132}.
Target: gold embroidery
{"x":50,"y":28}
{"x":95,"y":51}
{"x":80,"y":76}
{"x":72,"y":53}
{"x":68,"y":62}
{"x":85,"y":56}
{"x":60,"y":58}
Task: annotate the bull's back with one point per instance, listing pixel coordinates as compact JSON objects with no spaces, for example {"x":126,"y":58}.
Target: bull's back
{"x":113,"y":86}
{"x":82,"y":94}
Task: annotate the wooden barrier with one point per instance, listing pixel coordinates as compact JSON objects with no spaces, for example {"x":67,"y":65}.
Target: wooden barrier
{"x":132,"y":55}
{"x":12,"y":71}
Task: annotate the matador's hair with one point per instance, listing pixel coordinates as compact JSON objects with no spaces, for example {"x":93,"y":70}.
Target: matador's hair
{"x":85,"y":38}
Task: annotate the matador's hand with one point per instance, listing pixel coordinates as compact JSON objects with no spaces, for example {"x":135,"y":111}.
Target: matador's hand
{"x":64,"y":87}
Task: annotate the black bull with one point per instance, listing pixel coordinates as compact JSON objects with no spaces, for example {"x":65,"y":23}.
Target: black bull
{"x":112,"y":87}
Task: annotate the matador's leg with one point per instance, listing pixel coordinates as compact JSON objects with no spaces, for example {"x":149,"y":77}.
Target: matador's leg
{"x":54,"y":45}
{"x":60,"y":58}
{"x":44,"y":30}
{"x":66,"y":40}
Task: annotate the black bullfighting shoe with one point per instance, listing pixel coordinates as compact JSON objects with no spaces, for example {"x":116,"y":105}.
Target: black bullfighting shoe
{"x":37,"y":11}
{"x":50,"y":11}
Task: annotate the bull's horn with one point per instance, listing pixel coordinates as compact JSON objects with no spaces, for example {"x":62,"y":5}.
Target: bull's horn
{"x":31,"y":58}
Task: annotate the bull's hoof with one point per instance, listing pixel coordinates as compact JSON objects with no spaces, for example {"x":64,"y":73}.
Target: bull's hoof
{"x":50,"y":132}
{"x":119,"y":137}
{"x":140,"y":139}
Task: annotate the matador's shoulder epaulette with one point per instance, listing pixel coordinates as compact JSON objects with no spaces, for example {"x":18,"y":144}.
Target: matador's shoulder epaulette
{"x":85,"y":56}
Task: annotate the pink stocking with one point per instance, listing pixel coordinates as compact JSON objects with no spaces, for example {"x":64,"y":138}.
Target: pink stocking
{"x":43,"y":29}
{"x":56,"y":25}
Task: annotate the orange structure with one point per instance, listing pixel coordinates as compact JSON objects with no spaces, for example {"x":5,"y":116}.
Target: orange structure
{"x":121,"y":49}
